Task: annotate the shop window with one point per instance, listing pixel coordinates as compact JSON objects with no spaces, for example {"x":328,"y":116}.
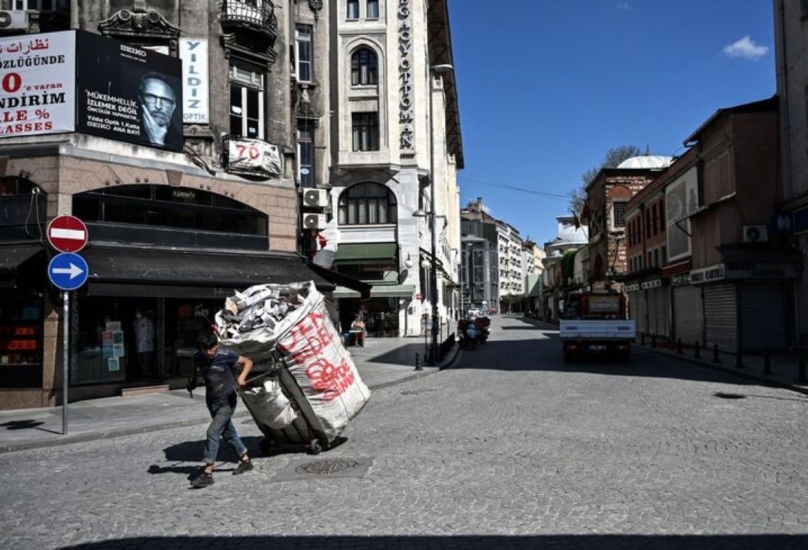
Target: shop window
{"x":21,"y":342}
{"x":304,"y":53}
{"x":246,"y":101}
{"x":367,"y":204}
{"x":365,"y":131}
{"x":22,"y":210}
{"x":364,"y":67}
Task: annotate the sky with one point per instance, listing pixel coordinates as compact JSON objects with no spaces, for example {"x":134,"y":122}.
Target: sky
{"x":547,"y":87}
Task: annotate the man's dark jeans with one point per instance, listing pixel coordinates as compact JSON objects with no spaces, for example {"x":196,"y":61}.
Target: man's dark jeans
{"x":222,"y":426}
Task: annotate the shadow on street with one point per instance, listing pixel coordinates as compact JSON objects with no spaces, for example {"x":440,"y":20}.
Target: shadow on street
{"x":481,"y":542}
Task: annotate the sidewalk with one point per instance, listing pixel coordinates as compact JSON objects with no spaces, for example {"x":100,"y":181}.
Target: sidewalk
{"x":382,"y":362}
{"x":784,"y":365}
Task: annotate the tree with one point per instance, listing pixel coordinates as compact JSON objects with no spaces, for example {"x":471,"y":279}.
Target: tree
{"x":614,"y":156}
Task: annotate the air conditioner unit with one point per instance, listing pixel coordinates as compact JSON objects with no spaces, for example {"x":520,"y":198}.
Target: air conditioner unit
{"x":315,"y":198}
{"x":13,"y":20}
{"x":314,"y":221}
{"x":755,"y":234}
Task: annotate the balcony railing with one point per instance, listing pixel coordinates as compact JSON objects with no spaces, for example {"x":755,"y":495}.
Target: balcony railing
{"x":258,"y":14}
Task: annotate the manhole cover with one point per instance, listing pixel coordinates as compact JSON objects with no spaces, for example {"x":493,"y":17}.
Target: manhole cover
{"x":723,"y":395}
{"x":326,"y":467}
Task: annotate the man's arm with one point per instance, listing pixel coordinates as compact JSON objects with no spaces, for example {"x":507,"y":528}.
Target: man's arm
{"x":246,"y":364}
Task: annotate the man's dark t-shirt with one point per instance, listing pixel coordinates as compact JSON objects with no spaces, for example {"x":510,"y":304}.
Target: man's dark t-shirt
{"x":219,"y":375}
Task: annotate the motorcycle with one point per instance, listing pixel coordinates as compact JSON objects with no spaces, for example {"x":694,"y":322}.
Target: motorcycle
{"x":473,"y":332}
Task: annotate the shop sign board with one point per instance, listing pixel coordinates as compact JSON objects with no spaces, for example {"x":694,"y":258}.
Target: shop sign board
{"x":253,"y":156}
{"x":37,"y":84}
{"x":67,"y":234}
{"x":708,"y":274}
{"x":67,"y":271}
{"x":194,"y":55}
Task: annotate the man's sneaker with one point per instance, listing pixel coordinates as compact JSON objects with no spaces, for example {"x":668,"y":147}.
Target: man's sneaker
{"x":205,"y":480}
{"x":243,"y":466}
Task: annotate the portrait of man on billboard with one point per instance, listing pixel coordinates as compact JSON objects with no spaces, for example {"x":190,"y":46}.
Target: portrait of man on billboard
{"x":157,"y":100}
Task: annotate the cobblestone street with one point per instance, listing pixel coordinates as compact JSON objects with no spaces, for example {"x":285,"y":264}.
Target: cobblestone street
{"x":511,"y":448}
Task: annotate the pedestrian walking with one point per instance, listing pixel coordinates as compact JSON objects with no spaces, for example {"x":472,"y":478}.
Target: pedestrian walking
{"x":219,"y":372}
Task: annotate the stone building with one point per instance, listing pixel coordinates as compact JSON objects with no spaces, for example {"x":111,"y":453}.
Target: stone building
{"x":181,"y":207}
{"x":395,"y":148}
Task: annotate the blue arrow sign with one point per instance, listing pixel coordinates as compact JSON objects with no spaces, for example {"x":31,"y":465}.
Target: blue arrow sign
{"x":67,"y":271}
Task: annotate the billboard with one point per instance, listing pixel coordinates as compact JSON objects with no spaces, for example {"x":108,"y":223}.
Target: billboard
{"x":253,"y":157}
{"x":37,"y":84}
{"x":681,"y":201}
{"x":127,"y":93}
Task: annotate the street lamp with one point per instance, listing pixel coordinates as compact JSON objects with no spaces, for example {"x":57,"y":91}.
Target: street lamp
{"x":434,"y":70}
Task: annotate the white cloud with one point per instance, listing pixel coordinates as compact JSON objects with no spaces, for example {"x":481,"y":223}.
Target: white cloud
{"x":746,"y":48}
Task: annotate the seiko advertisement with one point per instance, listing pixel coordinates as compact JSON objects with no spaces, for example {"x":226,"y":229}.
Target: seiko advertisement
{"x":128,"y":93}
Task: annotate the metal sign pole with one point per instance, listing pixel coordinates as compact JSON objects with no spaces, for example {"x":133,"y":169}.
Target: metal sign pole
{"x":65,"y":357}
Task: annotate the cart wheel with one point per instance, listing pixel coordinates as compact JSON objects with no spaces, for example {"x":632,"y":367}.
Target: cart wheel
{"x":314,"y":447}
{"x":265,"y":446}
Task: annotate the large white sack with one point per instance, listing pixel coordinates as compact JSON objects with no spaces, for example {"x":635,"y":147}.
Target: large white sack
{"x":315,"y":356}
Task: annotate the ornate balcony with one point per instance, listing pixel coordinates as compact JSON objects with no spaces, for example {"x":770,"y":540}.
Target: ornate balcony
{"x":250,"y":26}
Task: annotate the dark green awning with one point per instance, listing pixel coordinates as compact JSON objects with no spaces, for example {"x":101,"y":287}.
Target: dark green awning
{"x":366,"y":253}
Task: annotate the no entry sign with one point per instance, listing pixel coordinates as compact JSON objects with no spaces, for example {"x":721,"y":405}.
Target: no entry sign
{"x":67,"y":234}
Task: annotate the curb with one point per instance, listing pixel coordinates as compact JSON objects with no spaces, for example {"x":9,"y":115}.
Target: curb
{"x":83,"y":438}
{"x":729,"y":370}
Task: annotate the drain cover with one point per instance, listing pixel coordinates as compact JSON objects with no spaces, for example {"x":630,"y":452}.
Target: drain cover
{"x":324,"y":468}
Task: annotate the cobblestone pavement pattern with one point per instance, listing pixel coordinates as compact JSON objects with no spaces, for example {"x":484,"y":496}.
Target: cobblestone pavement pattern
{"x":510,"y":449}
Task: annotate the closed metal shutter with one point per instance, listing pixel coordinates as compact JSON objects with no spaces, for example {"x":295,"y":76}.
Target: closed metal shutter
{"x":688,"y":314}
{"x":763,"y":321}
{"x":658,"y":311}
{"x":640,"y":312}
{"x":720,"y":317}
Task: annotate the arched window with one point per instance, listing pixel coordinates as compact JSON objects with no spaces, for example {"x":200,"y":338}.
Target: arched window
{"x":367,"y":204}
{"x":364,"y":67}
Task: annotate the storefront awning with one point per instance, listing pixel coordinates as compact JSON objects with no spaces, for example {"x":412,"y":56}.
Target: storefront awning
{"x":360,"y":287}
{"x":389,"y":291}
{"x":366,"y":253}
{"x":182,"y":274}
{"x":13,"y":256}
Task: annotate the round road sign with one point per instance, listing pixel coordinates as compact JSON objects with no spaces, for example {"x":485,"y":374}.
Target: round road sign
{"x":67,"y":234}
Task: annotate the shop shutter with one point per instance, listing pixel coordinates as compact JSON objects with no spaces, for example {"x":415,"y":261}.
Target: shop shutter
{"x":688,"y":314}
{"x":720,"y":316}
{"x":636,"y":309}
{"x":763,"y":317}
{"x":660,"y":311}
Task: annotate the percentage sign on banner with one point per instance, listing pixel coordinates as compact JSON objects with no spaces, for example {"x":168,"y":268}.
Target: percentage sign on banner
{"x":42,"y":113}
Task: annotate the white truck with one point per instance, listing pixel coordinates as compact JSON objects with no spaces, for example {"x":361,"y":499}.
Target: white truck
{"x":595,"y":323}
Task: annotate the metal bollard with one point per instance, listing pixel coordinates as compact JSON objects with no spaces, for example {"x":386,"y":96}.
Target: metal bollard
{"x":418,"y":365}
{"x":642,"y":338}
{"x":697,"y":353}
{"x":653,"y":340}
{"x":715,"y":354}
{"x":767,"y":363}
{"x":679,"y":349}
{"x":801,"y":377}
{"x":738,"y":361}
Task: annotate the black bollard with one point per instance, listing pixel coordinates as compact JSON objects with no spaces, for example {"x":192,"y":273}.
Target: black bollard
{"x":697,"y":353}
{"x":715,"y":354}
{"x":767,"y":363}
{"x":653,"y":340}
{"x":801,"y":378}
{"x":642,"y":338}
{"x":738,"y":361}
{"x":418,"y":365}
{"x":679,"y":349}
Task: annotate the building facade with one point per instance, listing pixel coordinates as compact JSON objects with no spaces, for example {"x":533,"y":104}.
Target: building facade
{"x":396,"y":148}
{"x":570,"y":239}
{"x":176,"y":144}
{"x":790,"y":48}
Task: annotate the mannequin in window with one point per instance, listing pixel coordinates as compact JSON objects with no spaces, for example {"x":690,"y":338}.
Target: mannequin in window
{"x":144,"y":342}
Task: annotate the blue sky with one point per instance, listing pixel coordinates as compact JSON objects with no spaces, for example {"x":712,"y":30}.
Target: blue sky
{"x":546,"y":87}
